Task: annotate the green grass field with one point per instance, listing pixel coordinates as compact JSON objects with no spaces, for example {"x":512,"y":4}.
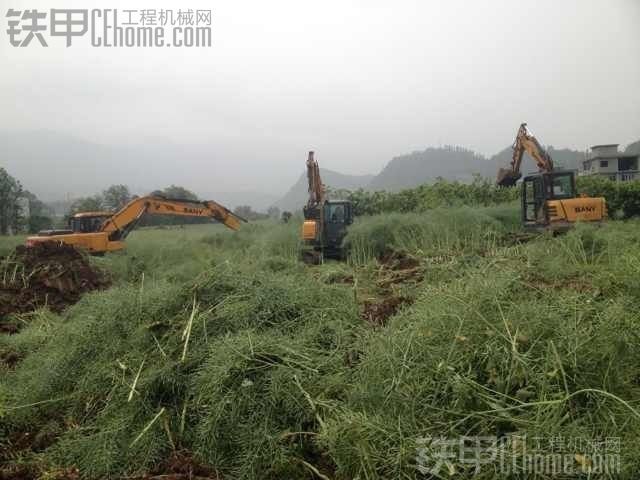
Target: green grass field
{"x":223,"y":347}
{"x":7,"y":244}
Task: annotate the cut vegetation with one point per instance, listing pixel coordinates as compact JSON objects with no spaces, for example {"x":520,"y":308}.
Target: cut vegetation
{"x":45,"y":276}
{"x":219,"y":355}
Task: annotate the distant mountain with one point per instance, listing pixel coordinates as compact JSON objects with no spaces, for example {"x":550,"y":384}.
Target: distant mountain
{"x":562,"y":158}
{"x":566,"y":158}
{"x":258,"y":201}
{"x":297,"y":195}
{"x":58,"y":168}
{"x":416,"y":168}
{"x":452,"y":163}
{"x":458,"y":163}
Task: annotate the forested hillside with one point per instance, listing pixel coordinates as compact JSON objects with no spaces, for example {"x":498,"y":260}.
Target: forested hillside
{"x":411,"y":170}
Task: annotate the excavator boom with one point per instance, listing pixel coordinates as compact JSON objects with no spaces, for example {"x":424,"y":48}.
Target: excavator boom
{"x":109,"y":232}
{"x":524,"y":142}
{"x":316,"y":188}
{"x":126,"y":218}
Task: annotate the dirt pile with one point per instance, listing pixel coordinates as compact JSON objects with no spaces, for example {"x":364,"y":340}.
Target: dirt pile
{"x":181,"y":466}
{"x":377,"y":312}
{"x":9,"y":358}
{"x":396,"y":260}
{"x":396,"y":268}
{"x":47,"y":274}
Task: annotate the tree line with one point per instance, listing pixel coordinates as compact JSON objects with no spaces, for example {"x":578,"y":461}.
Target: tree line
{"x":623,"y":198}
{"x":20,"y":210}
{"x":442,"y":193}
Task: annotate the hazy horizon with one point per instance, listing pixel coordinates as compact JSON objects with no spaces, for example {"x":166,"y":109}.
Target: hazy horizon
{"x":358,"y":82}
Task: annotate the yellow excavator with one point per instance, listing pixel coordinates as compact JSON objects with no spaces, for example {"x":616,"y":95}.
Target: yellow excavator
{"x":100,"y":232}
{"x":325,"y":221}
{"x":549,"y":198}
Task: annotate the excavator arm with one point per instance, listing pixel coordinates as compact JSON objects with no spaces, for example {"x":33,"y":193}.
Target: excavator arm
{"x":122,"y":222}
{"x":109,"y":235}
{"x":525,"y":142}
{"x":313,"y":225}
{"x":316,"y":188}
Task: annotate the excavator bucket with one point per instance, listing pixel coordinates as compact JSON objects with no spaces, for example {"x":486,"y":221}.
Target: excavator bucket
{"x":507,"y":177}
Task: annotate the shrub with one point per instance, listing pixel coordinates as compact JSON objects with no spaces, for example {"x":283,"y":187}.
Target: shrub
{"x":263,"y":367}
{"x":623,"y":198}
{"x":433,"y":232}
{"x":442,"y":193}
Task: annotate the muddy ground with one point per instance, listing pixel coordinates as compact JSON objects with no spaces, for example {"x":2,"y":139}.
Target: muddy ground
{"x":396,"y":268}
{"x":46,"y":275}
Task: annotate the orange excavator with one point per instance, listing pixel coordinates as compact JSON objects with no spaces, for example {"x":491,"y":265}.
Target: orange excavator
{"x":100,"y":232}
{"x":549,"y":198}
{"x":325,"y":221}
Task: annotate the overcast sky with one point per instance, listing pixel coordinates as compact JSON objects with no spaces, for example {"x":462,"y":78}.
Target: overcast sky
{"x":358,"y":81}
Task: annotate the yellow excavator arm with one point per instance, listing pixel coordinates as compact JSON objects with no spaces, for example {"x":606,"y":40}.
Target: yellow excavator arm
{"x":125,"y":219}
{"x":525,"y":142}
{"x":316,"y":188}
{"x":111,"y":232}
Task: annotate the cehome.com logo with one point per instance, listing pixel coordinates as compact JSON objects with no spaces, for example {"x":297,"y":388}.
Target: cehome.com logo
{"x":110,"y":27}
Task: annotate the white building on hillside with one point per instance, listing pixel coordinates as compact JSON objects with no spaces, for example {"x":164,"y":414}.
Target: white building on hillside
{"x":606,"y":160}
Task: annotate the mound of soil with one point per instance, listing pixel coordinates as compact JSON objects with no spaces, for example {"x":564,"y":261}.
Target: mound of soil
{"x":517,"y":238}
{"x":32,"y":471}
{"x":181,"y":466}
{"x":48,"y":274}
{"x":377,"y":313}
{"x":9,"y":358}
{"x":396,"y":260}
{"x":398,"y":267}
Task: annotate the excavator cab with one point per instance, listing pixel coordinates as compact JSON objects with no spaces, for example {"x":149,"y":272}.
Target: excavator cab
{"x":88,"y":222}
{"x":337,"y":215}
{"x":324,"y":230}
{"x":325,"y":221}
{"x":550,"y":202}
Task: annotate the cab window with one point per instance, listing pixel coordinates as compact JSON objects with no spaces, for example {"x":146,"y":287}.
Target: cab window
{"x":532,"y":199}
{"x":561,"y":186}
{"x":86,"y":224}
{"x":335,"y":213}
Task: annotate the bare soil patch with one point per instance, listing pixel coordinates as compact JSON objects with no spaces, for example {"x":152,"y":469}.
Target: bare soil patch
{"x":47,"y":275}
